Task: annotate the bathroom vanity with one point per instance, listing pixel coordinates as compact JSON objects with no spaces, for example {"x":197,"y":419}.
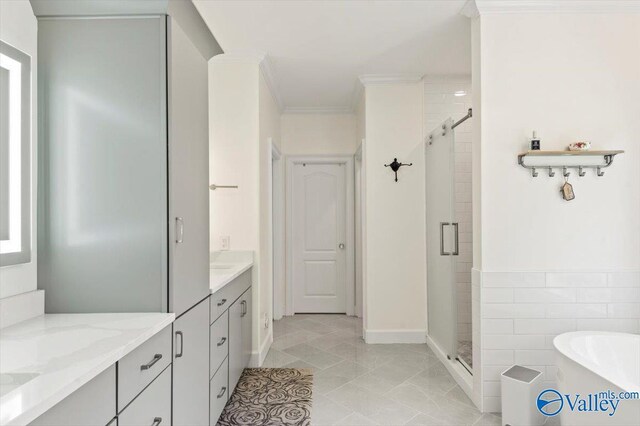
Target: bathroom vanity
{"x":123,"y":185}
{"x":230,"y":329}
{"x":87,"y":369}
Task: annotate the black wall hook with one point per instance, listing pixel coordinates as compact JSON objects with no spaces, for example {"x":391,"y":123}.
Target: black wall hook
{"x":395,"y":166}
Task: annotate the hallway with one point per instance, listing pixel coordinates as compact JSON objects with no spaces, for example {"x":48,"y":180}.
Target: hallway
{"x":360,"y":384}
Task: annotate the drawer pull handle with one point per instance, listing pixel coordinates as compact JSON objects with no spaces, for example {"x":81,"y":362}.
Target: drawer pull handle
{"x":243,"y":306}
{"x":179,"y":333}
{"x":148,"y":365}
{"x":222,"y":302}
{"x":222,"y":391}
{"x":156,"y":421}
{"x":221,"y":342}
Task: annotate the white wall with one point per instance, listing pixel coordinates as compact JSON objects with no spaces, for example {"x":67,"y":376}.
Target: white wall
{"x":233,"y":152}
{"x":316,"y":134}
{"x":244,"y":117}
{"x":547,"y":265}
{"x":19,"y":28}
{"x":441,"y":104}
{"x":360,"y":232}
{"x":395,"y":227}
{"x":269,"y":132}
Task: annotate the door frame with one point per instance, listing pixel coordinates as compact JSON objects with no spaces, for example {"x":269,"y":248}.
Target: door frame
{"x":347,"y":161}
{"x":359,"y":231}
{"x":277,"y":228}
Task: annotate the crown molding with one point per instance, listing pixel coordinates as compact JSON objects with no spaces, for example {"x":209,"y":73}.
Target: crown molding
{"x":470,"y":9}
{"x":475,"y":8}
{"x":264,"y":64}
{"x":266,"y":68}
{"x":318,"y":110}
{"x":371,"y":79}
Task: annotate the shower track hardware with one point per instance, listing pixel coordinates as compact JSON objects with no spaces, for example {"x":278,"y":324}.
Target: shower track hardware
{"x":453,"y":126}
{"x":213,"y":186}
{"x":463,"y":119}
{"x":456,"y":250}
{"x":395,"y":166}
{"x":607,"y":157}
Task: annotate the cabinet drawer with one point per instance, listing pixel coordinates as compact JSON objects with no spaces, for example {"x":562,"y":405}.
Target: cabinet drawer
{"x":92,"y":404}
{"x":218,"y":392}
{"x":223,"y":298}
{"x":152,"y":406}
{"x":219,"y":342}
{"x":142,"y":365}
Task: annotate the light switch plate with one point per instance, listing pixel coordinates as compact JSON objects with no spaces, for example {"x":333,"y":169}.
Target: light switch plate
{"x":225,"y":242}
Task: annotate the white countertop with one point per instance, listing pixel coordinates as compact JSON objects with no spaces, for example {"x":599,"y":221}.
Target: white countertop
{"x":226,"y":266}
{"x":45,"y":359}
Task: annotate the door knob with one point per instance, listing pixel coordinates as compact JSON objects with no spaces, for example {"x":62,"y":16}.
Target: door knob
{"x":341,"y":246}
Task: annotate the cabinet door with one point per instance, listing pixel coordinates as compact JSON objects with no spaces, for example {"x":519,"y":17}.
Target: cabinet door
{"x":102,"y":181}
{"x":236,"y":362}
{"x":188,"y":171}
{"x":94,"y":404}
{"x":191,"y":367}
{"x":246,"y":328}
{"x":152,"y":406}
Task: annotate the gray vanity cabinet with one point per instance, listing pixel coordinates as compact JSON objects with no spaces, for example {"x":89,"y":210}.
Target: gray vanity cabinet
{"x":94,"y":404}
{"x":191,"y":367}
{"x":239,"y":337}
{"x":123,"y":155}
{"x":236,"y":358}
{"x":246,"y":319}
{"x":188,"y":99}
{"x":136,"y":391}
{"x":230,"y":309}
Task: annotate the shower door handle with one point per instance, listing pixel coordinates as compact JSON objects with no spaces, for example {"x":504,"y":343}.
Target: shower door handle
{"x":442,"y":252}
{"x":456,"y":240}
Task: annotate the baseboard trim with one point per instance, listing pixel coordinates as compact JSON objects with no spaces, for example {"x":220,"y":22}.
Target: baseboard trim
{"x":257,"y":358}
{"x":395,"y":336}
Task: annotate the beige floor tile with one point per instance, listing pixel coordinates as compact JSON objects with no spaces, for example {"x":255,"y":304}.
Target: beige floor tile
{"x":490,"y":420}
{"x":347,"y":369}
{"x":359,"y":384}
{"x":325,"y":383}
{"x":321,"y":359}
{"x":325,"y":412}
{"x":355,"y":419}
{"x":358,"y":399}
{"x":276,"y":359}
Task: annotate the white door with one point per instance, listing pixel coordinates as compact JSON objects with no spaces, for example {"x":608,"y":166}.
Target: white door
{"x":318,"y":215}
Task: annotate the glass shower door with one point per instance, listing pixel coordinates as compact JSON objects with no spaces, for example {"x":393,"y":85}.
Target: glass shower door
{"x":442,"y":244}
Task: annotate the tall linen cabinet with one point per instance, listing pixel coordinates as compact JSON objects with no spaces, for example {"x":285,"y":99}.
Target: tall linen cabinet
{"x":123,"y":170}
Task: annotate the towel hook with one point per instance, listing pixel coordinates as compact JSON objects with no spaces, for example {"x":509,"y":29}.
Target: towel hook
{"x":395,"y":166}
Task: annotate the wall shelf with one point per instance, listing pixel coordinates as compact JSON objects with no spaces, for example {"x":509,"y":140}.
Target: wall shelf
{"x":606,"y":156}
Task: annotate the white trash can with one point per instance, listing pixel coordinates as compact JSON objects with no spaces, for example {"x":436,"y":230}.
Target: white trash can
{"x":520,"y":389}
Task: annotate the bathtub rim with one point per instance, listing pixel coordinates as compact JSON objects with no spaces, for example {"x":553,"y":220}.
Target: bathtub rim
{"x":561,"y":344}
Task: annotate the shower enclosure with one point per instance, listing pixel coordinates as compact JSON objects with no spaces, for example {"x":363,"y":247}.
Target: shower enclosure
{"x":448,"y":292}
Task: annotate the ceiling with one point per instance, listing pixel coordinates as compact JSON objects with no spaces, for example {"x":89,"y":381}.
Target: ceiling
{"x":318,"y":49}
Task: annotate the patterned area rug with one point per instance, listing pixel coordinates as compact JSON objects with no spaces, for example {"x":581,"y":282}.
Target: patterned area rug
{"x":270,"y":396}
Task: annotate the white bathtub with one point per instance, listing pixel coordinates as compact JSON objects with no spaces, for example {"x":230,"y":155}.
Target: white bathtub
{"x":590,"y":362}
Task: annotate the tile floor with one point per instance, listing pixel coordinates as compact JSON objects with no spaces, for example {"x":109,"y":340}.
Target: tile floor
{"x":360,"y":384}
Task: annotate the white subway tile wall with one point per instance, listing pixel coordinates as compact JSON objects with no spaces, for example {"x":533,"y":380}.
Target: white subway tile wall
{"x":522,"y":312}
{"x":441,"y":104}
